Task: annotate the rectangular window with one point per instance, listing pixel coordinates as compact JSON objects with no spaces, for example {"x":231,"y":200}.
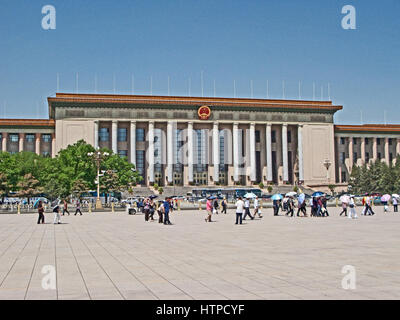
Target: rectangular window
{"x":258,"y":137}
{"x":104,"y":134}
{"x":342,"y":157}
{"x":354,"y":140}
{"x":378,"y":141}
{"x":46,"y":137}
{"x":14,"y":137}
{"x":390,"y":157}
{"x":379,"y":156}
{"x":221,"y":147}
{"x":140,"y":165}
{"x":367,"y":157}
{"x":344,"y":178}
{"x":123,"y":153}
{"x":366,"y":141}
{"x":342,"y":140}
{"x":273,"y":136}
{"x":30,"y":137}
{"x":289,"y":136}
{"x":390,"y":141}
{"x":122,"y":134}
{"x":355,"y":156}
{"x":140,"y":136}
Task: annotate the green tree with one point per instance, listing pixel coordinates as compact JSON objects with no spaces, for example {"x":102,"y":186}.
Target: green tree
{"x":29,"y":187}
{"x":79,"y":187}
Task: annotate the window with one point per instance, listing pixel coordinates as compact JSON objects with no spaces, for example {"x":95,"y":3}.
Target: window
{"x":355,"y":156}
{"x":390,"y":157}
{"x":342,"y":140}
{"x":289,"y":136}
{"x":14,"y":137}
{"x":222,"y":147}
{"x":140,"y":157}
{"x":140,"y":134}
{"x":342,"y":157}
{"x":366,"y":141}
{"x":104,"y":134}
{"x":390,"y":141}
{"x":273,"y":136}
{"x":367,"y":157}
{"x":379,"y":156}
{"x":46,"y":137}
{"x":344,"y":178}
{"x":378,"y":141}
{"x":30,"y":138}
{"x":123,"y":153}
{"x":122,"y":134}
{"x":354,"y":140}
{"x":258,"y":137}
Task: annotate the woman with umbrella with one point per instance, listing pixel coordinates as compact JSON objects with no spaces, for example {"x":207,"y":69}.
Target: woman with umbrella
{"x":385,"y":199}
{"x":345,"y":200}
{"x":41,"y":213}
{"x":276,"y":198}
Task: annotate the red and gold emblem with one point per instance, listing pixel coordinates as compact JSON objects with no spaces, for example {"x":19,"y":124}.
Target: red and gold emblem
{"x":204,"y":113}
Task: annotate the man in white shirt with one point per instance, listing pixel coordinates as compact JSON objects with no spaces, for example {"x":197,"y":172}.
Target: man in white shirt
{"x":257,"y":208}
{"x":239,"y":210}
{"x":247,"y":210}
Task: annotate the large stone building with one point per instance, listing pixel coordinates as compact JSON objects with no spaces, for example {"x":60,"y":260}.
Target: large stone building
{"x":209,"y":141}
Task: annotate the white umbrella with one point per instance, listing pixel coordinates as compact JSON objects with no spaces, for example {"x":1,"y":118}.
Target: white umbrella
{"x":250,"y":195}
{"x":395,"y":195}
{"x":291,"y":194}
{"x":345,"y":198}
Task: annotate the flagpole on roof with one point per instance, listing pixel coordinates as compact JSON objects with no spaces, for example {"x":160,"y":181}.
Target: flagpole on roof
{"x":329,"y":91}
{"x":58,"y":82}
{"x":215,"y":90}
{"x":133,"y":83}
{"x":314,"y":91}
{"x":169,"y":86}
{"x":299,"y":90}
{"x":283,"y":89}
{"x":251,"y":88}
{"x":151,"y":85}
{"x":234,"y":88}
{"x":114,"y":83}
{"x":95,"y":83}
{"x":77,"y":82}
{"x":267,"y":89}
{"x":190,"y":86}
{"x":202,"y":84}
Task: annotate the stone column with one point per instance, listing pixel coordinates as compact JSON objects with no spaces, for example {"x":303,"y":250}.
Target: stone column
{"x":4,"y":142}
{"x":269,"y":153}
{"x":96,"y":135}
{"x":300,"y":152}
{"x":114,"y":137}
{"x":339,"y":164}
{"x":133,"y":143}
{"x":37,"y":145}
{"x":190,"y":151}
{"x":397,"y":147}
{"x":170,"y":152}
{"x":387,"y":151}
{"x":253,"y":171}
{"x":216,"y":151}
{"x":285,"y":153}
{"x":236,"y":152}
{"x":362,"y":150}
{"x":21,"y":142}
{"x":351,"y":153}
{"x":151,"y":152}
{"x":374,"y":149}
{"x":53,"y":145}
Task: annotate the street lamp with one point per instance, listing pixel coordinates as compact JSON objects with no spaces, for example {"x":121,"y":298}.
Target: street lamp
{"x":98,"y":156}
{"x":327,"y":165}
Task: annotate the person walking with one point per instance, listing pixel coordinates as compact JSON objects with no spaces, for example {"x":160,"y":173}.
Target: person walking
{"x":353,"y":213}
{"x":56,"y":211}
{"x":166,"y":212}
{"x":146,"y":209}
{"x":301,"y":207}
{"x":324,"y":205}
{"x":41,"y":213}
{"x":239,"y":210}
{"x":160,"y":212}
{"x":65,"y":208}
{"x":78,"y":208}
{"x":216,"y":206}
{"x":209,"y":208}
{"x":275,"y":204}
{"x":224,"y":205}
{"x":395,"y":205}
{"x":290,"y":206}
{"x":247,"y":209}
{"x":151,"y":209}
{"x":344,"y":209}
{"x":257,"y":208}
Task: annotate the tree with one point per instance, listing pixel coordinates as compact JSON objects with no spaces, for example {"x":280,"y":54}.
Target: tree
{"x":332,"y":188}
{"x":109,"y":182}
{"x":79,"y":187}
{"x":29,"y":187}
{"x":4,"y":187}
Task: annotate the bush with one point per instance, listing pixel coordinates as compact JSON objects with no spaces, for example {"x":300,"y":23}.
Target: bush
{"x":155,"y":186}
{"x":261,"y":185}
{"x":160,"y":190}
{"x":270,"y":189}
{"x":295,"y":188}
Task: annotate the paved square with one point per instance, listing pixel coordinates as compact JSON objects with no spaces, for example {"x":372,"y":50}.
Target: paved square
{"x":116,"y":256}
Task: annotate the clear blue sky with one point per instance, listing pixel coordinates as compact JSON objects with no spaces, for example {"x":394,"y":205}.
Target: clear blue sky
{"x":272,"y":40}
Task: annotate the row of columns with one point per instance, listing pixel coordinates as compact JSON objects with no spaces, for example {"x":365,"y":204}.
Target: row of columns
{"x":21,"y":143}
{"x":216,"y":151}
{"x":374,"y":149}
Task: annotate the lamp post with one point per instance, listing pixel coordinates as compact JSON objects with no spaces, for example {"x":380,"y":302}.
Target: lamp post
{"x":327,"y":165}
{"x":98,"y":156}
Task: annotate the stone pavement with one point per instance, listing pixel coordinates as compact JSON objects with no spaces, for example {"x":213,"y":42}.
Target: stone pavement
{"x":116,"y":256}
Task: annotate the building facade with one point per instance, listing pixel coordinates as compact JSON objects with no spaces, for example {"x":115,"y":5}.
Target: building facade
{"x":209,"y":141}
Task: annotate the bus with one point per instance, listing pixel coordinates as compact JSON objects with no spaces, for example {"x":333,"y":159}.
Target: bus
{"x":220,"y":193}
